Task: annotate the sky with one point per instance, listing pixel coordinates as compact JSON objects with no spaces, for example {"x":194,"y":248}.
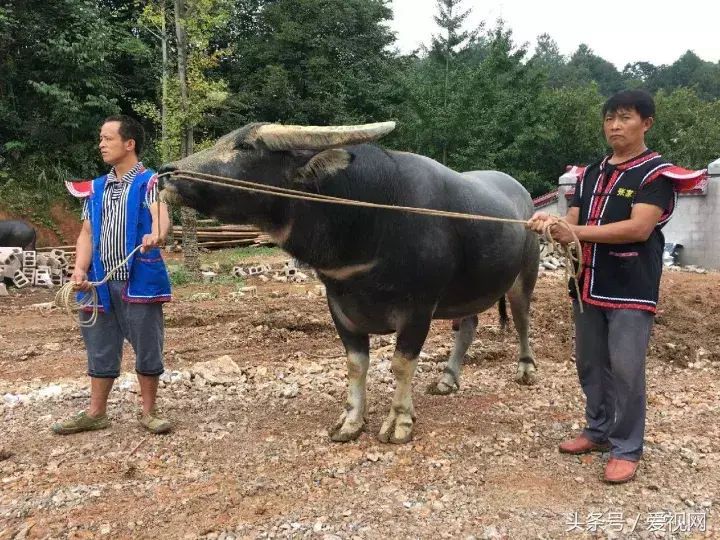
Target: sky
{"x":621,"y":31}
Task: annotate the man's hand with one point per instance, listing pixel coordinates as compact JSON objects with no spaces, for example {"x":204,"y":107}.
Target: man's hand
{"x":539,"y":221}
{"x":562,"y":233}
{"x":149,"y":241}
{"x":79,"y":278}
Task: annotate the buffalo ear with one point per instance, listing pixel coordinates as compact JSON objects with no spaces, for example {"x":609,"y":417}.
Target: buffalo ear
{"x":323,"y":165}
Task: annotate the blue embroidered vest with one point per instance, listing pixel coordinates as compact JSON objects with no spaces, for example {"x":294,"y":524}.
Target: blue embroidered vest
{"x":149,"y":280}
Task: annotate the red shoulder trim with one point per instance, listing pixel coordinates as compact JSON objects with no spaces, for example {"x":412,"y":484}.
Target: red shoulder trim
{"x":684,"y":180}
{"x":81,"y":189}
{"x":152,"y":182}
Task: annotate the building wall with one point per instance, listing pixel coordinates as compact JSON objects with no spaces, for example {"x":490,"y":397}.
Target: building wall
{"x":696,"y":225}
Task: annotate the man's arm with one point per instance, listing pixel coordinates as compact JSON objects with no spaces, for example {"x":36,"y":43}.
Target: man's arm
{"x":651,"y":202}
{"x":161,"y":219}
{"x":83,"y":256}
{"x":638,"y":228}
{"x":160,"y":226}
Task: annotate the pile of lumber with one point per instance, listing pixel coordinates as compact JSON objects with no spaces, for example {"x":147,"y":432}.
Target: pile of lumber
{"x":224,"y":236}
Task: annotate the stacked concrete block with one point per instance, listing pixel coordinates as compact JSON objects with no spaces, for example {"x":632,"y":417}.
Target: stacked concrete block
{"x":30,"y":268}
{"x":43,"y":279}
{"x":57,"y":275}
{"x":60,"y":257}
{"x":29,"y":259}
{"x":20,"y":280}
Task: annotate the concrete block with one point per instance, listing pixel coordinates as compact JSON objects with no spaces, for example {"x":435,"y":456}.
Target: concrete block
{"x":43,"y":279}
{"x":20,"y":280}
{"x":3,"y":289}
{"x":29,"y":259}
{"x":239,"y":271}
{"x":41,"y":259}
{"x":12,"y":260}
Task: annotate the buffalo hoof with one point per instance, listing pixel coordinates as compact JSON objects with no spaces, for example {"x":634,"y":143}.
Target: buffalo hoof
{"x":397,"y":428}
{"x":441,"y":388}
{"x":526,"y":373}
{"x":344,"y":430}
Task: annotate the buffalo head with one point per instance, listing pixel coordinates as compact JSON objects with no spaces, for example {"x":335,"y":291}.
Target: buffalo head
{"x":297,"y":157}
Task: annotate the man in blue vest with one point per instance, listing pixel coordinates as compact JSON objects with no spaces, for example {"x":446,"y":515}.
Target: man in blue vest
{"x":619,"y":208}
{"x":122,"y":211}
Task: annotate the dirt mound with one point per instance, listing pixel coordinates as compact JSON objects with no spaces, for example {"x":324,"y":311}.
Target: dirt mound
{"x":66,"y":225}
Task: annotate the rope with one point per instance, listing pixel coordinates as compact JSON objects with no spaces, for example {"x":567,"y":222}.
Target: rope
{"x":565,"y":251}
{"x":65,"y":297}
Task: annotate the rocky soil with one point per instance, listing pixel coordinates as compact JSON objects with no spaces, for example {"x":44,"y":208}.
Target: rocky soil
{"x":253,"y":382}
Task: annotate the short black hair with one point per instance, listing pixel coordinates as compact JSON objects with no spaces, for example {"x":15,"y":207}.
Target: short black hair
{"x":636,"y":99}
{"x":129,"y":129}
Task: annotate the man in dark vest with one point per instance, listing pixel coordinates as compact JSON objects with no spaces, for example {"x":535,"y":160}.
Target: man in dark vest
{"x":619,"y":207}
{"x":122,"y":211}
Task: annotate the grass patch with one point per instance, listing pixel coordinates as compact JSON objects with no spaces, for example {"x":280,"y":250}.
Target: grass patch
{"x":221,"y":262}
{"x":179,"y":276}
{"x":226,"y":259}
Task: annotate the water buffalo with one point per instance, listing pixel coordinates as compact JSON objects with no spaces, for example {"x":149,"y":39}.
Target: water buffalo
{"x":16,"y":233}
{"x":384,"y":271}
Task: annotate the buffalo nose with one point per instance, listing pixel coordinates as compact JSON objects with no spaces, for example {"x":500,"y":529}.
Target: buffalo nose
{"x":164,"y":172}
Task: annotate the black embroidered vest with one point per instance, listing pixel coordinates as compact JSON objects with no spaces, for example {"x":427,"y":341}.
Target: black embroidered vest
{"x":621,"y":275}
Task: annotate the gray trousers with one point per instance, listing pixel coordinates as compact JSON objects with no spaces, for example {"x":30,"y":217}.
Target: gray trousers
{"x":141,"y":324}
{"x":610,"y":350}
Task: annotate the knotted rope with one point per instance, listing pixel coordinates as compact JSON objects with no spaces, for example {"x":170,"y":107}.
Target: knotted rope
{"x":65,"y":297}
{"x":564,"y":251}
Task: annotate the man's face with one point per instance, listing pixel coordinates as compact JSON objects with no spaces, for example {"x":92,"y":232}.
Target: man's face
{"x":625,"y":128}
{"x":112,"y":147}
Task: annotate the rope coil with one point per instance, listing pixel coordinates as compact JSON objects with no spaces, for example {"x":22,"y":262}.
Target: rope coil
{"x":65,"y":297}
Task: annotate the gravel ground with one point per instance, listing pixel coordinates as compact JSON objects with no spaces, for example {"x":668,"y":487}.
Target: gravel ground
{"x":253,"y":383}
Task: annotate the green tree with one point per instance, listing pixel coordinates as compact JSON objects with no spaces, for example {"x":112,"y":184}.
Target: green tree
{"x":309,"y":62}
{"x":594,"y":68}
{"x":687,"y":128}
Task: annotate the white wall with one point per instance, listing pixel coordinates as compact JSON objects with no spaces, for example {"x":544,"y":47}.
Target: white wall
{"x":696,"y":224}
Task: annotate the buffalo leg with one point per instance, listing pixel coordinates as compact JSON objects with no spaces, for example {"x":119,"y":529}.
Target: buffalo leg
{"x":450,"y":380}
{"x":519,"y":296}
{"x":398,"y":426}
{"x":351,"y":422}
